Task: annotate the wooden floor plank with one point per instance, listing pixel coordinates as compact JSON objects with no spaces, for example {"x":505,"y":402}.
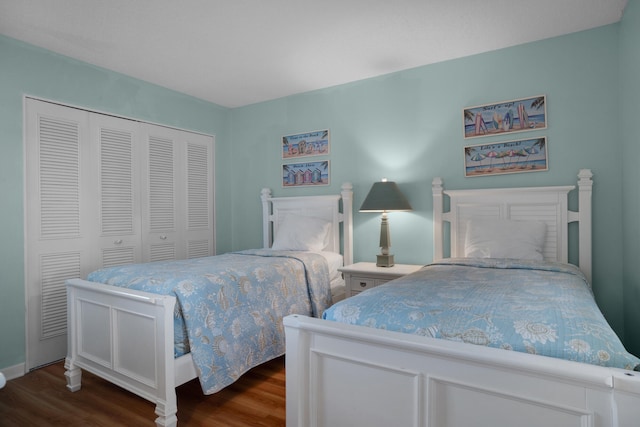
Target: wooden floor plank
{"x":40,"y":398}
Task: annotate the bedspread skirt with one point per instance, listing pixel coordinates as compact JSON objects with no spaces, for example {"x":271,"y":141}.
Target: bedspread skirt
{"x":230,"y":307}
{"x":541,"y":308}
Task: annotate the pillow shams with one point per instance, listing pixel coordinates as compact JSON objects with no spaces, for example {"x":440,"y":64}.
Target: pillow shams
{"x":301,"y":233}
{"x":501,"y":238}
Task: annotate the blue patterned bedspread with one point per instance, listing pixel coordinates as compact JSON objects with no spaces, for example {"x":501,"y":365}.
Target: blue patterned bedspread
{"x":230,"y":307}
{"x":539,"y":308}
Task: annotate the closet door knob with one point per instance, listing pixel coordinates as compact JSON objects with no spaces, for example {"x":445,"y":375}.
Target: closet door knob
{"x":163,"y":237}
{"x":117,"y":242}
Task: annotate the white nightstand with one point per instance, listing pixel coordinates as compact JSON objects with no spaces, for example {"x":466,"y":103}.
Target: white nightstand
{"x":366,"y":275}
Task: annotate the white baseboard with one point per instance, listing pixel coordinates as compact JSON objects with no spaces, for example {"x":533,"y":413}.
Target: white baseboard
{"x":12,"y":372}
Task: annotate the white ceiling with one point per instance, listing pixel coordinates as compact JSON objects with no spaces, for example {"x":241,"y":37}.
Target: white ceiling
{"x":239,"y":52}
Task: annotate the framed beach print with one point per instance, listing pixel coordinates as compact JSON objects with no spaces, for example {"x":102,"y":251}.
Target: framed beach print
{"x":305,"y":174}
{"x":525,"y":155}
{"x":315,"y":143}
{"x":518,"y":115}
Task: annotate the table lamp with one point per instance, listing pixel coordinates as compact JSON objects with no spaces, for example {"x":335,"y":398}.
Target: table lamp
{"x":385,"y":196}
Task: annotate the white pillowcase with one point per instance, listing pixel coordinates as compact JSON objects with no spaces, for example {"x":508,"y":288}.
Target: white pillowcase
{"x":301,"y":233}
{"x":334,"y":262}
{"x":503,"y":238}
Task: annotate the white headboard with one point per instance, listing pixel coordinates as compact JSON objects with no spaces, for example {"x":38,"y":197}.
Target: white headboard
{"x":325,"y":207}
{"x":546,"y":204}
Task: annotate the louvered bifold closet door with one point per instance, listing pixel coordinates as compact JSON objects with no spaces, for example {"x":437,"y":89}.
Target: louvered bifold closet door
{"x":120,"y":237}
{"x":178,"y":207}
{"x":103,"y":191}
{"x":57,"y":202}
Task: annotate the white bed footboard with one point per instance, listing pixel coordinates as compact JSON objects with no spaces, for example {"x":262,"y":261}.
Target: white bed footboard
{"x":125,"y":337}
{"x":339,"y":374}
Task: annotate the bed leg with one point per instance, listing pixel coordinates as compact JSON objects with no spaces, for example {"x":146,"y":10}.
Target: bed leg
{"x":73,"y":374}
{"x":166,"y":415}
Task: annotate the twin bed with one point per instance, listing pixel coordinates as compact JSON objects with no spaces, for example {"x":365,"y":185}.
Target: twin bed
{"x":428,"y":349}
{"x":152,"y":327}
{"x":499,"y":330}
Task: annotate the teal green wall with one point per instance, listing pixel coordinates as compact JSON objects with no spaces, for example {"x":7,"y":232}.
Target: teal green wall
{"x":405,"y":126}
{"x":27,"y":70}
{"x":629,"y":96}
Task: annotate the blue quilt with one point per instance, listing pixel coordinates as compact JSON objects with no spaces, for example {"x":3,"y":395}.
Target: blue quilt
{"x":230,"y":307}
{"x":534,"y":307}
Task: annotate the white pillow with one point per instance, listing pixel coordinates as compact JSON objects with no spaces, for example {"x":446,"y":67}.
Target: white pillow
{"x":503,"y":238}
{"x":301,"y":233}
{"x":334,"y":261}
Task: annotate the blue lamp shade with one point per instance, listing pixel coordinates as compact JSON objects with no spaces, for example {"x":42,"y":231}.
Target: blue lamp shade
{"x":385,"y":196}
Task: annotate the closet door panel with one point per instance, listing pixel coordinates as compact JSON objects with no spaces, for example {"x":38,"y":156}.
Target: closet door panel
{"x":58,"y":228}
{"x":198,"y":230}
{"x":159,"y":181}
{"x":120,"y":238}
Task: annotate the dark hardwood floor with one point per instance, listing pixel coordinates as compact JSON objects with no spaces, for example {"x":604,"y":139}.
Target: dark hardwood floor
{"x":40,"y":398}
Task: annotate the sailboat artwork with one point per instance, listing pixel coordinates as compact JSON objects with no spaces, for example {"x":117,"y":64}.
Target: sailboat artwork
{"x":518,"y":115}
{"x":527,"y":155}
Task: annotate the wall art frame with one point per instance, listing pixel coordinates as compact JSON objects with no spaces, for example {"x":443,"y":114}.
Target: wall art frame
{"x":306,"y":174}
{"x":497,"y":158}
{"x":517,"y":115}
{"x":306,"y":144}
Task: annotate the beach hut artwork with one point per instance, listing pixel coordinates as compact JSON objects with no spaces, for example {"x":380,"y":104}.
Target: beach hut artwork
{"x":301,"y":174}
{"x":314,"y":143}
{"x":518,"y":115}
{"x":527,"y":155}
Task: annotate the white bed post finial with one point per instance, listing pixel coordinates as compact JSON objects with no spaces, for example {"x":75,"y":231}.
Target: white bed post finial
{"x":436,"y":189}
{"x":265,"y":195}
{"x":347,"y":222}
{"x":585,"y":189}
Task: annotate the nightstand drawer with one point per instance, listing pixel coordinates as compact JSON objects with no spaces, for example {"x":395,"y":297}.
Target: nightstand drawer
{"x":359,"y":284}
